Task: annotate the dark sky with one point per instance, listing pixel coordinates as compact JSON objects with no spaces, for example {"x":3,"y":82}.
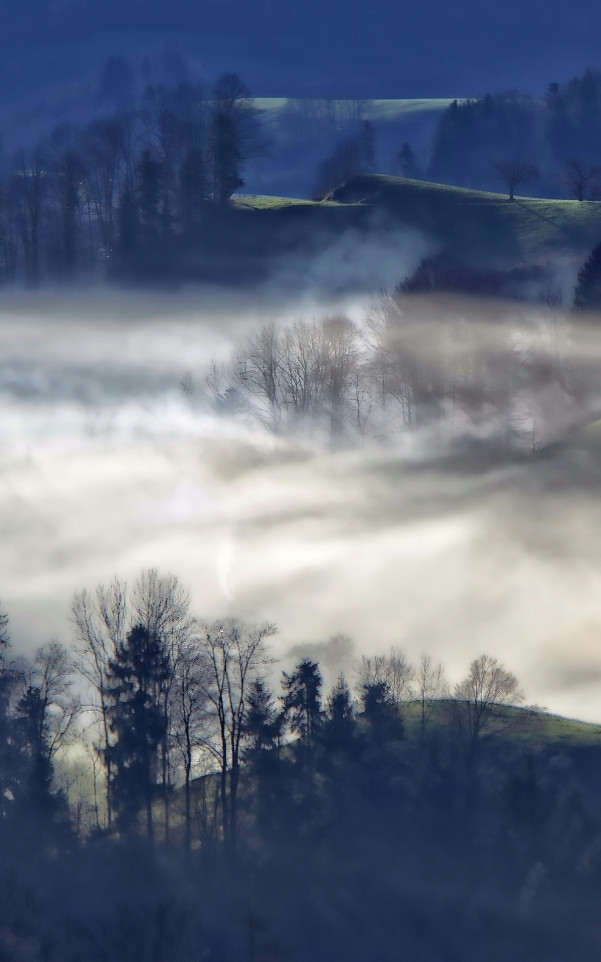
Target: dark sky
{"x":338,"y":47}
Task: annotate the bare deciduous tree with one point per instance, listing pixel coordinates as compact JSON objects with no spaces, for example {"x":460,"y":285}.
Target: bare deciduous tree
{"x":102,"y":620}
{"x":515,"y":172}
{"x":487,"y":686}
{"x":430,"y":686}
{"x":581,"y":179}
{"x":306,"y":371}
{"x":189,"y":710}
{"x":393,"y":669}
{"x":102,"y":147}
{"x":48,"y":703}
{"x":29,"y":190}
{"x":234,"y":655}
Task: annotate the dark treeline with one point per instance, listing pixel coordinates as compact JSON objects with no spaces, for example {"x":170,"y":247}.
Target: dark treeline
{"x":126,"y":185}
{"x":225,"y":821}
{"x":549,"y":146}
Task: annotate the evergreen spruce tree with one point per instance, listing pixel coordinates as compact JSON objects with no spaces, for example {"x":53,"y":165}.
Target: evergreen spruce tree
{"x":226,"y":156}
{"x":263,"y":723}
{"x":193,"y":190}
{"x":137,"y":723}
{"x":302,"y":699}
{"x":587,"y":293}
{"x":150,"y":197}
{"x":339,"y":723}
{"x":381,"y":711}
{"x":128,"y":223}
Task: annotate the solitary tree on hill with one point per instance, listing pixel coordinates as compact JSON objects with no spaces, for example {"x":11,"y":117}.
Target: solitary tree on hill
{"x":515,"y":172}
{"x":487,"y":685}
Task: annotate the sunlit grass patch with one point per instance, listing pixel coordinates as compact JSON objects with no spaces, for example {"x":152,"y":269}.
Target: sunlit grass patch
{"x":267,"y":202}
{"x":529,"y":725}
{"x":383,"y":110}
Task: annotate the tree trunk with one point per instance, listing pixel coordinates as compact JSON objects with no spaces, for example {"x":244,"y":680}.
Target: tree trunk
{"x":149,"y":824}
{"x":188,"y":815}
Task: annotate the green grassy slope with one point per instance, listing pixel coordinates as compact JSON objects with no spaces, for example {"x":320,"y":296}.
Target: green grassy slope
{"x":527,"y":727}
{"x":477,"y":225}
{"x":510,"y":728}
{"x":267,"y":202}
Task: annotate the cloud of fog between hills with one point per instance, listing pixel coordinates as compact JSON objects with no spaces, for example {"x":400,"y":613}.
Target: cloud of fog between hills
{"x":456,"y":549}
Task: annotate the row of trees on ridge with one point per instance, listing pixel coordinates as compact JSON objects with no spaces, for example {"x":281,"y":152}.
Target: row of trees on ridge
{"x":162,"y":696}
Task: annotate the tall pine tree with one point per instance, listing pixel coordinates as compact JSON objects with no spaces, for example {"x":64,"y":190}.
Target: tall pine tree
{"x":137,"y":675}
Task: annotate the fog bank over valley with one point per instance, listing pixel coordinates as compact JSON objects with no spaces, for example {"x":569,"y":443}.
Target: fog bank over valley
{"x":408,"y":472}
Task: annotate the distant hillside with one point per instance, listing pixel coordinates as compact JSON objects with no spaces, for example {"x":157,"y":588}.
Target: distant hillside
{"x":528,"y":726}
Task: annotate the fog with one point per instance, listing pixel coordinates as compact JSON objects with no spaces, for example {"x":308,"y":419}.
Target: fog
{"x":434,"y":536}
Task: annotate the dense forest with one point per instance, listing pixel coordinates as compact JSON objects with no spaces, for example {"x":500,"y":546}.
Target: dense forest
{"x":220,"y":821}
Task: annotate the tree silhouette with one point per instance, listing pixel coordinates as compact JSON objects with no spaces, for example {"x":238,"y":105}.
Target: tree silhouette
{"x":226,"y":156}
{"x":587,"y":293}
{"x":263,"y":722}
{"x":515,"y":172}
{"x":137,"y":722}
{"x":339,"y":723}
{"x":302,"y":699}
{"x":487,"y":685}
{"x":128,"y":223}
{"x":234,"y":653}
{"x":4,"y":632}
{"x":380,"y":709}
{"x":193,"y":191}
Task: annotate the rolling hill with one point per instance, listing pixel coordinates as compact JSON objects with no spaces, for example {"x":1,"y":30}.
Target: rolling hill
{"x":478,"y":226}
{"x":512,"y":732}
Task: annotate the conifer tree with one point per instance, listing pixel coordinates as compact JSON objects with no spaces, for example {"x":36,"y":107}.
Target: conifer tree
{"x":587,"y":293}
{"x":128,"y":222}
{"x":192,"y":191}
{"x":150,"y":191}
{"x":302,"y":699}
{"x":137,"y":722}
